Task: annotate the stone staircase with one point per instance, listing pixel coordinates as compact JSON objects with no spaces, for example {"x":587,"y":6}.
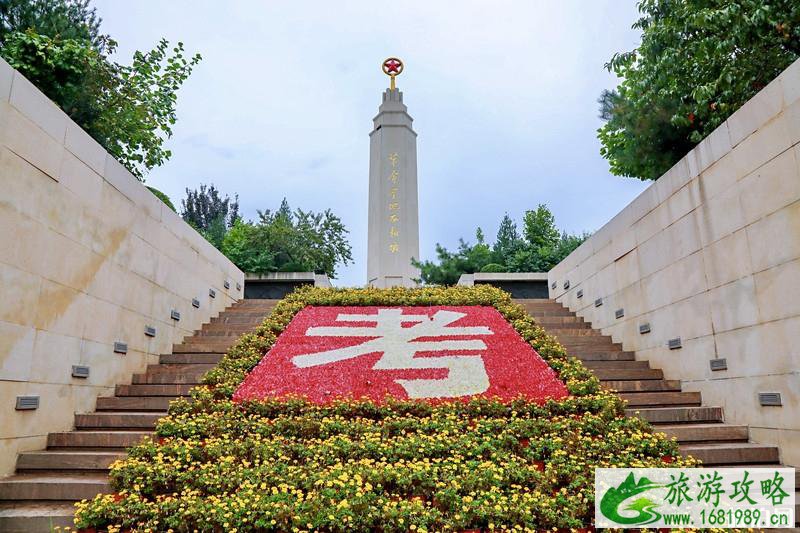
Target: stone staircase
{"x":74,"y":466}
{"x":700,"y":429}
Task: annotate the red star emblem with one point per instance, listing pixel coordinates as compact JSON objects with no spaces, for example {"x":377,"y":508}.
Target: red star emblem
{"x":392,"y":65}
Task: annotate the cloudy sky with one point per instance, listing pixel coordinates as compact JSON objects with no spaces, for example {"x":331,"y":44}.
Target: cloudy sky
{"x":503,"y":95}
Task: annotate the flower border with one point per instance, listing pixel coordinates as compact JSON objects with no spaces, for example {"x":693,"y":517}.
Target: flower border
{"x":587,"y":408}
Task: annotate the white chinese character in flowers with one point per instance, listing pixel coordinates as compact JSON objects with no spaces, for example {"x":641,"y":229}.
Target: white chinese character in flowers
{"x":399,"y":345}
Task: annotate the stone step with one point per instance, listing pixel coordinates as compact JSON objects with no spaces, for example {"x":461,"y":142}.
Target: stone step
{"x":190,"y":358}
{"x":167,"y":379}
{"x":202,"y":347}
{"x":243,"y":320}
{"x":95,"y":439}
{"x":606,"y":356}
{"x":648,"y":385}
{"x":677,"y":415}
{"x":705,"y":432}
{"x":251,"y":313}
{"x":209,"y":326}
{"x":581,"y":350}
{"x":580,"y":341}
{"x":596,"y":355}
{"x":539,"y":302}
{"x":188,"y":368}
{"x":30,"y":516}
{"x":560,"y":332}
{"x":640,"y":399}
{"x":619,"y":374}
{"x":547,"y":312}
{"x":54,"y":486}
{"x":171,"y":391}
{"x":221,"y":334}
{"x":565,"y":322}
{"x":796,"y":474}
{"x":732,"y":454}
{"x":118,"y":420}
{"x":265,"y":305}
{"x":134,"y":403}
{"x":254,"y":302}
{"x":224,"y":342}
{"x":164,"y":378}
{"x":164,"y":374}
{"x":67,"y":460}
{"x":610,"y":363}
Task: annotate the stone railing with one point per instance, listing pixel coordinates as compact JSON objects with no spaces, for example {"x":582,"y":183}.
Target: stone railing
{"x":708,"y":257}
{"x":97,"y":275}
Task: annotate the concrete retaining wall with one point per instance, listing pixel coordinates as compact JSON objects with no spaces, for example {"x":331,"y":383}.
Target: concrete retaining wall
{"x":710,"y":253}
{"x":88,"y":257}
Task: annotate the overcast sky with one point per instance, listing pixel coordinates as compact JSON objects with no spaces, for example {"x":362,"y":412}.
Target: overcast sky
{"x":503,"y":95}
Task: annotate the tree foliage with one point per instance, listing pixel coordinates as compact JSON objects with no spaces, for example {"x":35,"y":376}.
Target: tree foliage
{"x":205,"y":205}
{"x":163,"y":197}
{"x":540,"y":247}
{"x":128,"y":109}
{"x":209,"y":213}
{"x":698,"y":62}
{"x":288,"y":241}
{"x":68,"y":19}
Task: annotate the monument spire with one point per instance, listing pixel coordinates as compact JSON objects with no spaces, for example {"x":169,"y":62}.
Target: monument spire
{"x":393,"y":233}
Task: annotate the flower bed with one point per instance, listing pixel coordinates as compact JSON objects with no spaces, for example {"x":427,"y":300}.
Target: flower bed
{"x":352,"y":464}
{"x":434,"y":352}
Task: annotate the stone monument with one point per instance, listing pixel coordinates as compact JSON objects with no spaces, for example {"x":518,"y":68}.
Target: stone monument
{"x":393,"y":234}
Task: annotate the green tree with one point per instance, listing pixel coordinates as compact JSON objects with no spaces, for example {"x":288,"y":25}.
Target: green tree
{"x":163,"y":197}
{"x":209,"y":213}
{"x":288,"y":241}
{"x":539,"y":227}
{"x":128,"y":109}
{"x":248,"y":247}
{"x":507,"y":242}
{"x":698,"y":62}
{"x":540,"y":248}
{"x":67,"y":19}
{"x":448,"y":267}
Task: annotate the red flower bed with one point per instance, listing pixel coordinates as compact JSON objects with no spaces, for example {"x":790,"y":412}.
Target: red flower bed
{"x":432,"y":352}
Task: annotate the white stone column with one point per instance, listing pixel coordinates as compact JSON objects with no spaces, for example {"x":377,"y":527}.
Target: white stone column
{"x":393,"y":234}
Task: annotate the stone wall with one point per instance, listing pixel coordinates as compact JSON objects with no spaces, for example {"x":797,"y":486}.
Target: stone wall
{"x":710,"y":253}
{"x":517,"y":284}
{"x":88,"y":257}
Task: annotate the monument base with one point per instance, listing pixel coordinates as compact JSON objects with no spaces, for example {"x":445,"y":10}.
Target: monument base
{"x":387,"y":282}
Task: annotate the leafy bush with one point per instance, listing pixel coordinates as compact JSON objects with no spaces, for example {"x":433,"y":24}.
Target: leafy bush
{"x":698,"y":62}
{"x":284,"y":464}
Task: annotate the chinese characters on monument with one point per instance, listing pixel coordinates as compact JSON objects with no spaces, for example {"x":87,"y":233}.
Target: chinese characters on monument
{"x":394,"y":205}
